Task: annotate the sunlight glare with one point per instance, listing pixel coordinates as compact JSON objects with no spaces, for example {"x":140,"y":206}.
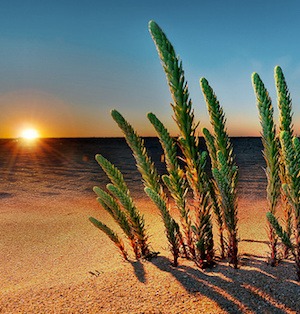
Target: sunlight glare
{"x":30,"y":134}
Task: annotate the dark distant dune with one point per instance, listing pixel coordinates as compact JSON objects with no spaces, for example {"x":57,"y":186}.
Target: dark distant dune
{"x":69,"y":164}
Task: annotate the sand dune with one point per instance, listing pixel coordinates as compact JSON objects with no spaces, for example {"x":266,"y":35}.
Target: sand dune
{"x":54,"y":261}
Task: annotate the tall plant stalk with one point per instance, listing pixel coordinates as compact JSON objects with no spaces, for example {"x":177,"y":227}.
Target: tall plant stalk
{"x":271,"y":155}
{"x":175,"y":180}
{"x":224,"y":171}
{"x":188,"y":142}
{"x":284,"y":103}
{"x":211,"y":147}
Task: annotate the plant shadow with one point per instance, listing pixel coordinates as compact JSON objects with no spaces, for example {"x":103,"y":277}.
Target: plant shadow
{"x":255,"y":287}
{"x":139,"y":270}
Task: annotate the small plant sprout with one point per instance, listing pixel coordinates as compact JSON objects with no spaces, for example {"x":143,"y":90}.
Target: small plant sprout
{"x":120,"y":191}
{"x":111,"y":234}
{"x":119,"y":204}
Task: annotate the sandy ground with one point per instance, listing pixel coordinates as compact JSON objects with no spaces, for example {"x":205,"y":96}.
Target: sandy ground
{"x":54,"y":261}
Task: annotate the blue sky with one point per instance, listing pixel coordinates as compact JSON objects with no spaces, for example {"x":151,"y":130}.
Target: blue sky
{"x":66,"y":64}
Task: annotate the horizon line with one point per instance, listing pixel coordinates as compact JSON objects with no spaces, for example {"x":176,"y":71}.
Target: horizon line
{"x":108,"y":137}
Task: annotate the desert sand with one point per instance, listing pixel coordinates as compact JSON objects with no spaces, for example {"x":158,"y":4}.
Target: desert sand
{"x":54,"y":261}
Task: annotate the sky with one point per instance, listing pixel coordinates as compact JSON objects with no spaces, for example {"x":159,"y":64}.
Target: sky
{"x":66,"y":64}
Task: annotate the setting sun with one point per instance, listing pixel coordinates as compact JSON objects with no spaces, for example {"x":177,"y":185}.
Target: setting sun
{"x":30,"y":134}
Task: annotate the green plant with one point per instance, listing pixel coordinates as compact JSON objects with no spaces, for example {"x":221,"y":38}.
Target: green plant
{"x":197,"y":240}
{"x":291,"y":158}
{"x":175,"y":181}
{"x":151,"y":180}
{"x":283,"y":161}
{"x":128,"y":218}
{"x":120,"y":191}
{"x":224,"y":171}
{"x":194,"y":159}
{"x":111,"y":234}
{"x":110,"y":204}
{"x":284,"y":102}
{"x":271,"y":155}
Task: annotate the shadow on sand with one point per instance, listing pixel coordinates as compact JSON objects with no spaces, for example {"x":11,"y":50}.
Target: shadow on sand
{"x":139,"y":271}
{"x":253,"y":288}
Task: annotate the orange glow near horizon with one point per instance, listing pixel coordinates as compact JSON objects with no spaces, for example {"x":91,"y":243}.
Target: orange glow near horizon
{"x":54,"y":117}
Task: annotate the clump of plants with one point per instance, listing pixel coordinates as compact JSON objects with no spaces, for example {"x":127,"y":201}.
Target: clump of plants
{"x":282,"y":155}
{"x":212,"y":192}
{"x":152,"y":183}
{"x":119,"y":204}
{"x":192,"y":237}
{"x":207,"y":193}
{"x":291,"y":158}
